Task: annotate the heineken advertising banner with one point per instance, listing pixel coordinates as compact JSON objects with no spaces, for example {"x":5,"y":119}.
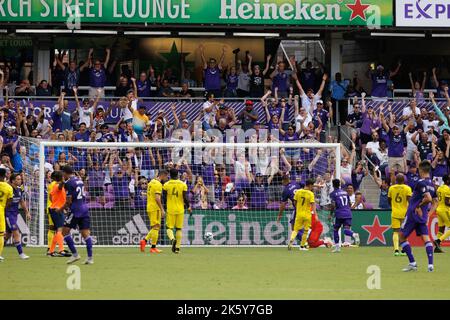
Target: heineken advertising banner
{"x":242,"y":12}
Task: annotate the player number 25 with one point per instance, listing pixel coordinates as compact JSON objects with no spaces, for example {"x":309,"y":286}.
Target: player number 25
{"x":80,"y":193}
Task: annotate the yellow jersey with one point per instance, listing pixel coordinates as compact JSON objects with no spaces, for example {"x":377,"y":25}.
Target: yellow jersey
{"x":6,"y":192}
{"x":304,"y":199}
{"x":49,"y":190}
{"x":154,"y":188}
{"x":442,"y":193}
{"x":398,"y":194}
{"x":175,"y":199}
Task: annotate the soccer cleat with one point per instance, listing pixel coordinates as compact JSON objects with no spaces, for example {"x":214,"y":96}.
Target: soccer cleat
{"x":177,"y":251}
{"x":23,"y":256}
{"x":73,"y":259}
{"x":410,"y":267}
{"x":2,"y":259}
{"x":48,"y":254}
{"x":336,"y":249}
{"x":89,"y":261}
{"x":64,"y":253}
{"x":397,"y":253}
{"x":430,"y":268}
{"x":173,"y":242}
{"x":142,"y":245}
{"x":155,"y":250}
{"x":290,"y":245}
{"x":437,"y":247}
{"x":357,"y":240}
{"x":403,"y":254}
{"x":302,"y":248}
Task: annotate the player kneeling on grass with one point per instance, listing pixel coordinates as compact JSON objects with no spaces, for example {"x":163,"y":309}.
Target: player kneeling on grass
{"x":12,"y":213}
{"x":78,"y":216}
{"x":305,"y":205}
{"x":314,"y":240}
{"x":177,"y":199}
{"x":155,"y":211}
{"x":417,"y":216}
{"x":340,"y":203}
{"x":6,"y":195}
{"x":400,"y":193}
{"x":443,"y":213}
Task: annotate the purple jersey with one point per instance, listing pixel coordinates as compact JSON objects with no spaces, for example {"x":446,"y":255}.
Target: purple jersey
{"x":379,"y":85}
{"x":289,"y":192}
{"x":323,"y":115}
{"x":144,"y":88}
{"x":342,"y":203}
{"x":13,"y":209}
{"x":97,"y":78}
{"x":280,"y":81}
{"x":412,"y":179}
{"x":212,"y":78}
{"x":423,"y":186}
{"x":396,"y":145}
{"x":232,"y":82}
{"x":75,"y":189}
{"x":258,"y":199}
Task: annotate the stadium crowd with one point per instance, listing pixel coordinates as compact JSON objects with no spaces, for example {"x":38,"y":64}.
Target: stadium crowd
{"x":298,"y":107}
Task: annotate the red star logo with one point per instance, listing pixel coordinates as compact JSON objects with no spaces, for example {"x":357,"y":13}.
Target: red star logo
{"x":376,"y":231}
{"x":358,"y":9}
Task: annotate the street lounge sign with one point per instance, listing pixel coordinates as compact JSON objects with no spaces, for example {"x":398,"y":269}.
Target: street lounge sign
{"x":243,"y":12}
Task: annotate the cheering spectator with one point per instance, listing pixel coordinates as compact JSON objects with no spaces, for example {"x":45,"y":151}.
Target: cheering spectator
{"x":232,"y":79}
{"x":165,"y":90}
{"x":259,"y":193}
{"x":358,"y":174}
{"x":200,"y":194}
{"x":97,"y":74}
{"x":257,"y":79}
{"x":417,"y":88}
{"x":360,"y":203}
{"x":441,"y":86}
{"x":320,"y":119}
{"x":71,"y":74}
{"x":424,"y":146}
{"x":354,"y":120}
{"x":44,"y":89}
{"x":384,"y":190}
{"x":243,"y":71}
{"x":310,"y":75}
{"x":185,"y":91}
{"x":380,"y":79}
{"x":338,"y":89}
{"x":443,"y":117}
{"x":122,"y":88}
{"x":86,"y":113}
{"x":370,"y":123}
{"x":212,"y":72}
{"x":280,"y":79}
{"x":410,"y":112}
{"x":143,"y":86}
{"x":249,"y":116}
{"x":24,"y":89}
{"x":240,"y":204}
{"x":439,"y":164}
{"x":309,"y":99}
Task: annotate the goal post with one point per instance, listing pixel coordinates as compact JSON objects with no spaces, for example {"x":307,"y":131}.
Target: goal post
{"x":234,"y":188}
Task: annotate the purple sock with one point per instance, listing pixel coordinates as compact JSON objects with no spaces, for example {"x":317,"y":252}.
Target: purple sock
{"x":18,"y":247}
{"x":336,"y":235}
{"x":71,"y":244}
{"x":89,"y":246}
{"x":429,"y":249}
{"x":407,"y":249}
{"x":348,"y":232}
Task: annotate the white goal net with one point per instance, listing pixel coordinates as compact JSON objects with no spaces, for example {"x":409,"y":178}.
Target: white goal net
{"x":235,"y":189}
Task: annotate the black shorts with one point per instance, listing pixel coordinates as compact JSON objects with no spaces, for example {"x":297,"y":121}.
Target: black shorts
{"x":57,"y":218}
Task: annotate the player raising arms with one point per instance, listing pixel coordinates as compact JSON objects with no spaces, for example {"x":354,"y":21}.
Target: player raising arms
{"x":155,"y":210}
{"x":6,"y":195}
{"x":177,"y":199}
{"x":400,"y":193}
{"x":417,"y":216}
{"x":305,"y":205}
{"x":343,"y":215}
{"x":13,"y":211}
{"x":78,"y":216}
{"x":443,"y":213}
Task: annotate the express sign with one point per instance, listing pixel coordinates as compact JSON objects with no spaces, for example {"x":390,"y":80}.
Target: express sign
{"x":423,"y":13}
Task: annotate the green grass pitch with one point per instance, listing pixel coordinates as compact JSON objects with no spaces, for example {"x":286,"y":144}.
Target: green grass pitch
{"x":225,"y":273}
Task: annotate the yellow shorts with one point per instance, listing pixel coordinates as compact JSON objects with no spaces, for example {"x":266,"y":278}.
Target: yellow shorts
{"x":396,"y":223}
{"x":2,"y":223}
{"x":175,"y":221}
{"x":443,"y":218}
{"x":302,"y":222}
{"x":155,"y":217}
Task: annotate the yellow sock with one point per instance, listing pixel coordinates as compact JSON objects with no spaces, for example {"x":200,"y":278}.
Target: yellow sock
{"x":170,"y":234}
{"x":2,"y":242}
{"x":293,"y":235}
{"x":179,"y":236}
{"x":439,"y":235}
{"x":395,"y":240}
{"x":445,"y":235}
{"x":304,"y":238}
{"x":155,"y":234}
{"x":50,"y":235}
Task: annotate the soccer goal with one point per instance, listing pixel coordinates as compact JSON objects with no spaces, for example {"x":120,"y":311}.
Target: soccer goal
{"x":235,"y":189}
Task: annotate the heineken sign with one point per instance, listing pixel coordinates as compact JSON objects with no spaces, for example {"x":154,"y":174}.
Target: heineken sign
{"x":369,"y":13}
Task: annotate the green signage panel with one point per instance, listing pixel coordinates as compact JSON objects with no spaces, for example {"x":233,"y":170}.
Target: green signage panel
{"x":371,"y":13}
